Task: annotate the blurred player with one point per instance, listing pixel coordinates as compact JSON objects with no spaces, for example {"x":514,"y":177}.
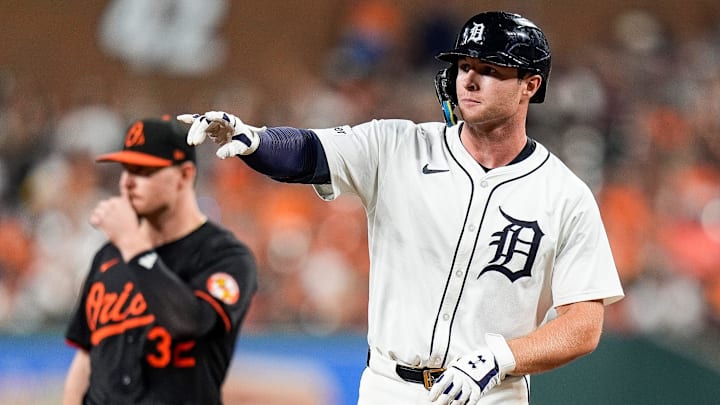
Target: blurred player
{"x":162,"y":306}
{"x":489,"y":260}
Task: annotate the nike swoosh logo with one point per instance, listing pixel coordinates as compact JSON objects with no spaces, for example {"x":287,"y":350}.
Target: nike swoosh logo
{"x":426,"y":170}
{"x":106,"y":265}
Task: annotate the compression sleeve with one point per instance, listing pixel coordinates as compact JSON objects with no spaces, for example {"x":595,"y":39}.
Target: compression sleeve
{"x":290,"y":155}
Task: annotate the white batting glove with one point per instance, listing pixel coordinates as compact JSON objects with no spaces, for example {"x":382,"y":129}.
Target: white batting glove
{"x":228,"y":131}
{"x":470,"y":377}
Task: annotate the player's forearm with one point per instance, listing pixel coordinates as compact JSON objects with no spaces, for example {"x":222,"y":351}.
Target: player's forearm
{"x":290,"y":155}
{"x":173,"y":303}
{"x":77,"y":380}
{"x":574,"y":333}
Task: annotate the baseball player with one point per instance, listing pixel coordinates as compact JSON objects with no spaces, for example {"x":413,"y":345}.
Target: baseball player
{"x":162,"y":305}
{"x":489,"y":260}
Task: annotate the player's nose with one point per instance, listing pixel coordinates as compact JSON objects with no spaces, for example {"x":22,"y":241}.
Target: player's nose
{"x":470,"y":82}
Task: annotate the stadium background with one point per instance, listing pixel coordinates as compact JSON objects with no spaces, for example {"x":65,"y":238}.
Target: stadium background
{"x":633,"y":107}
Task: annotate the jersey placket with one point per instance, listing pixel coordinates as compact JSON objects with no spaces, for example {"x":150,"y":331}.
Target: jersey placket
{"x":459,"y":272}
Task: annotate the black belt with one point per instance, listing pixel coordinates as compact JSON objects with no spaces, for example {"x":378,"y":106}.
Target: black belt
{"x":424,"y":376}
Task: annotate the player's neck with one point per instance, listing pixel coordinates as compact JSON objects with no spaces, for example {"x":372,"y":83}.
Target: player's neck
{"x":174,"y":224}
{"x":494,"y":148}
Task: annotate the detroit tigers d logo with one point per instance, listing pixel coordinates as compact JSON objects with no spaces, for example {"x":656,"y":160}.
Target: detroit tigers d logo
{"x":518,"y":238}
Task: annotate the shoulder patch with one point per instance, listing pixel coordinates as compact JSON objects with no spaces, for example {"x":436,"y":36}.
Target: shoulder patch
{"x":223,"y":287}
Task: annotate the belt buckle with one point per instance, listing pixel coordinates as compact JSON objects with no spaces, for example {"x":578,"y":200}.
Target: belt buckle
{"x":429,"y":378}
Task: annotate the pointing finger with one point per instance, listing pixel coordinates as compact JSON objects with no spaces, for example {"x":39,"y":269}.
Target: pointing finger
{"x":187,"y":118}
{"x":124,"y":192}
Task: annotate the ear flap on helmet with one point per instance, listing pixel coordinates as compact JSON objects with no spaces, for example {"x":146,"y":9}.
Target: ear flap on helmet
{"x":445,"y":91}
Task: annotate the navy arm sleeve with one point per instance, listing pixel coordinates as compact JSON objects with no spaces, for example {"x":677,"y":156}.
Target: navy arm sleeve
{"x":290,"y":155}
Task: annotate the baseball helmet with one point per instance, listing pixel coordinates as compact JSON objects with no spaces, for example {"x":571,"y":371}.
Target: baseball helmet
{"x":500,"y":38}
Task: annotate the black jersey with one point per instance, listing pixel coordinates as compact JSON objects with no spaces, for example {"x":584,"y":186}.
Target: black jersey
{"x":161,"y":329}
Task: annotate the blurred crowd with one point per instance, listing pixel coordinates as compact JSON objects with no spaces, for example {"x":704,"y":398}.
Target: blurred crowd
{"x":637,"y":117}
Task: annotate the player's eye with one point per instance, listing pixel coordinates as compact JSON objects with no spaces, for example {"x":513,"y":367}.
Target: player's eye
{"x":488,"y":71}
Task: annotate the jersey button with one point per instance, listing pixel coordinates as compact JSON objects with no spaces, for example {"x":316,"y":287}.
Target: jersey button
{"x":446,"y":317}
{"x":483,"y":184}
{"x":459,"y":273}
{"x":471,"y":228}
{"x":126,"y":380}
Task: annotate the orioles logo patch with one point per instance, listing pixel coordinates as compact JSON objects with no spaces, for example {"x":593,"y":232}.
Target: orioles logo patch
{"x":135,"y":135}
{"x":223,"y":287}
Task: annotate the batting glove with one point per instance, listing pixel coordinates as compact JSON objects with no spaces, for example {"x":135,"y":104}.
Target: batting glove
{"x":227,"y":130}
{"x":470,"y":377}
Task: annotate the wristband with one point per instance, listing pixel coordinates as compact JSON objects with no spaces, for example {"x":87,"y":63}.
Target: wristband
{"x":503,"y":355}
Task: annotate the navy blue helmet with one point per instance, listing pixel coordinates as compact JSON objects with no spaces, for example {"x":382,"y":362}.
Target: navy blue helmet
{"x":500,"y":38}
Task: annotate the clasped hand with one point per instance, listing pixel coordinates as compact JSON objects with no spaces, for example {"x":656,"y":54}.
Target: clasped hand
{"x":466,"y":380}
{"x":470,"y":377}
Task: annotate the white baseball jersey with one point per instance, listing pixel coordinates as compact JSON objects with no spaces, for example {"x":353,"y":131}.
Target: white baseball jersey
{"x":457,"y":252}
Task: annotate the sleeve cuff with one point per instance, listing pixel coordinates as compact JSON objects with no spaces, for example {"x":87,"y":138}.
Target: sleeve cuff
{"x":503,"y":355}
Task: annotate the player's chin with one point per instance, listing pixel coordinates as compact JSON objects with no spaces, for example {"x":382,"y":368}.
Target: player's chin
{"x":472,"y":116}
{"x":140,"y":206}
{"x":151,"y":211}
{"x":135,"y":202}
